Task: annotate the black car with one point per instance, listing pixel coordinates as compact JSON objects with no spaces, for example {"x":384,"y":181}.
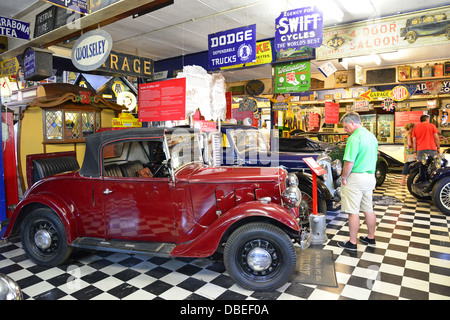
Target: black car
{"x":429,"y":179}
{"x":428,"y":25}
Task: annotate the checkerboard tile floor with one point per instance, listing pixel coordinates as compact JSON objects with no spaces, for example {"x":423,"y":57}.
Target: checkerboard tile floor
{"x":411,"y":261}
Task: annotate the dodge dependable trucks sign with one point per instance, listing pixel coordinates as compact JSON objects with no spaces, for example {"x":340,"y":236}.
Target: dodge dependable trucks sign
{"x":299,"y":28}
{"x":231,"y":47}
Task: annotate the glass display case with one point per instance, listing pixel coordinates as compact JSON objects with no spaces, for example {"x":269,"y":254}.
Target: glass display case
{"x":386,"y":129}
{"x":369,"y":122}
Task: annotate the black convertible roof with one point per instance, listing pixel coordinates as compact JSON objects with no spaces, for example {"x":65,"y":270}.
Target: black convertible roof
{"x":94,"y":143}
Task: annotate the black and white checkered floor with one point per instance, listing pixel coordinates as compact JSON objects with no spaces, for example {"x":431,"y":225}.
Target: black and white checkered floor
{"x":411,"y":261}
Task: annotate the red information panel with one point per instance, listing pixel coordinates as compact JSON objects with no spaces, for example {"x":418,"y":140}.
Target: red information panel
{"x":162,"y":100}
{"x":331,"y":112}
{"x":402,"y":118}
{"x":314,"y":166}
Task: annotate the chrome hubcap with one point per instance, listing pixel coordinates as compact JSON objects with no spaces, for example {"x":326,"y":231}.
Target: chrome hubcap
{"x":43,"y":239}
{"x":259,"y":259}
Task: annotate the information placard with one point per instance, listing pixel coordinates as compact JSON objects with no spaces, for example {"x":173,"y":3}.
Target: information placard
{"x":163,"y":100}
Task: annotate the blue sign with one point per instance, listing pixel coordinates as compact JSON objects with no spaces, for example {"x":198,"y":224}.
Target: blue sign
{"x":14,"y":28}
{"x":231,"y":47}
{"x":75,"y":5}
{"x":299,"y":28}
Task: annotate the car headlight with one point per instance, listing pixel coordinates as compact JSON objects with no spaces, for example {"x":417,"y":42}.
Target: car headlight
{"x":439,"y":161}
{"x":292,"y":196}
{"x":336,"y":166}
{"x":291,"y":180}
{"x":9,"y":290}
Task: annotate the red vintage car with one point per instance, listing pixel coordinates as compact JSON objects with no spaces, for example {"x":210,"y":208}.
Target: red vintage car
{"x":147,"y":190}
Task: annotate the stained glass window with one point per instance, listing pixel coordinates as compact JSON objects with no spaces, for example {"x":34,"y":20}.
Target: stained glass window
{"x":53,"y":125}
{"x":70,"y":125}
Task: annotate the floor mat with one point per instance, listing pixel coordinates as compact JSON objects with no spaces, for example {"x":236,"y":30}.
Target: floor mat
{"x":315,"y":266}
{"x":386,"y":201}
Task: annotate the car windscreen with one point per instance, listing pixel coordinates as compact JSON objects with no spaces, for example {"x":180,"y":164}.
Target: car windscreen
{"x":244,"y":140}
{"x":183,"y":148}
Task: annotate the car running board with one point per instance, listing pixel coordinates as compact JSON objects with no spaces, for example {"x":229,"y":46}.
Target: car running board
{"x":156,"y":248}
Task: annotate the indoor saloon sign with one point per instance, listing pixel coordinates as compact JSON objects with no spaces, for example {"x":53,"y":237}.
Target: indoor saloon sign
{"x":14,"y":28}
{"x":231,"y":47}
{"x":91,"y":50}
{"x":298,"y":28}
{"x":386,"y":34}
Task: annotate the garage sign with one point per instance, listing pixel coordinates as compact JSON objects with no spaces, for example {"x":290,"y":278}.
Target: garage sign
{"x":91,"y":50}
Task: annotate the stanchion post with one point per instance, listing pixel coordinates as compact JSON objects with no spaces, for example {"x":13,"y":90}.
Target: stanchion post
{"x":317,"y":222}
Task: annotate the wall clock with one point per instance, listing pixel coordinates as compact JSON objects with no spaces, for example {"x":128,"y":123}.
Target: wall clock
{"x":254,"y":87}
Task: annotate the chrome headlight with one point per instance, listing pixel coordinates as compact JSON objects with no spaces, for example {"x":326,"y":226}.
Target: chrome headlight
{"x":439,"y":161}
{"x":424,"y":158}
{"x":292,"y":196}
{"x":9,"y":290}
{"x":291,"y":180}
{"x":336,"y":166}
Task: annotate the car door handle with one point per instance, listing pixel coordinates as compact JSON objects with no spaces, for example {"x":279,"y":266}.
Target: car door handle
{"x":107,"y":191}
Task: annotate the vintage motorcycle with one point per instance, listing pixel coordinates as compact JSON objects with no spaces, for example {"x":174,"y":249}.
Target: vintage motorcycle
{"x":429,"y":179}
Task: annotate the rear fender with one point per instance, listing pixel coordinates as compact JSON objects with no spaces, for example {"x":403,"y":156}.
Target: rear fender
{"x":63,"y":211}
{"x":208,"y":242}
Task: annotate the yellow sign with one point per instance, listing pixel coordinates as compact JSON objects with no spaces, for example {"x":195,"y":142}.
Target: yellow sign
{"x":126,"y":120}
{"x":9,"y":67}
{"x":398,"y":93}
{"x":263,"y":56}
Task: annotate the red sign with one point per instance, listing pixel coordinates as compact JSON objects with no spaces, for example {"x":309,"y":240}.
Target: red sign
{"x":331,"y":112}
{"x":402,"y":118}
{"x":313,"y":120}
{"x":162,"y":100}
{"x":314,"y":166}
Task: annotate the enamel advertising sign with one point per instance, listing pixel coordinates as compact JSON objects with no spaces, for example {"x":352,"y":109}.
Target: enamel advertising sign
{"x":299,"y":28}
{"x":91,"y":50}
{"x":386,"y":34}
{"x":231,"y":47}
{"x":14,"y":28}
{"x":292,"y":77}
{"x":76,"y":5}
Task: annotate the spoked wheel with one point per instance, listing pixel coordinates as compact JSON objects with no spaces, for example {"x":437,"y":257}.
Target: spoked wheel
{"x":259,"y":257}
{"x":441,"y":195}
{"x":307,"y":203}
{"x":44,"y":238}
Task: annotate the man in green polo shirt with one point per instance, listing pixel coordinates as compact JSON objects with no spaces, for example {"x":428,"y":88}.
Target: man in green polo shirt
{"x":358,"y":179}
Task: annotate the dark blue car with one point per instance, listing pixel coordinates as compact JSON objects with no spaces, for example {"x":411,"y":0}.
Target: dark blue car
{"x":245,"y":146}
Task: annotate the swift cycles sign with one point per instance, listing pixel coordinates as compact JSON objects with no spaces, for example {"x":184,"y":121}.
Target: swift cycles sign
{"x":299,"y":28}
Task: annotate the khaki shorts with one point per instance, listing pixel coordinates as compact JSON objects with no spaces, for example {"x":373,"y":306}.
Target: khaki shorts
{"x":357,"y":194}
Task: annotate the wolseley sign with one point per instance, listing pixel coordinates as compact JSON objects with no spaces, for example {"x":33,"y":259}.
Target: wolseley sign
{"x":91,"y":50}
{"x":386,"y":34}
